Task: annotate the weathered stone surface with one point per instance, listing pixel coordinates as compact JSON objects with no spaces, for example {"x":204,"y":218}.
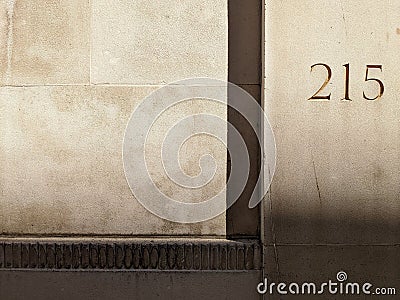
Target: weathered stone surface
{"x":61,"y":169}
{"x":44,"y":42}
{"x":147,"y":42}
{"x":338,"y":163}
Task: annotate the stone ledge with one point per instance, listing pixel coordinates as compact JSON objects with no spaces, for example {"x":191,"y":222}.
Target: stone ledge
{"x":139,"y":254}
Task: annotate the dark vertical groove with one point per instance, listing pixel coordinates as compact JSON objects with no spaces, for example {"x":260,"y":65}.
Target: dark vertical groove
{"x":196,"y":257}
{"x":1,"y":255}
{"x":119,"y":256}
{"x":163,"y":260}
{"x":171,"y":257}
{"x":24,"y":255}
{"x":223,"y":257}
{"x":136,"y":257}
{"x":102,"y":256}
{"x":49,"y":256}
{"x":44,"y":259}
{"x":145,"y":257}
{"x":240,"y":258}
{"x":128,"y":259}
{"x":110,"y":256}
{"x":189,"y":257}
{"x":59,"y":257}
{"x":179,"y":257}
{"x":154,"y":257}
{"x":33,"y":255}
{"x":214,"y":257}
{"x":95,"y":256}
{"x":8,"y":255}
{"x":76,"y":255}
{"x":67,"y":256}
{"x":85,"y":256}
{"x":205,"y":256}
{"x":232,"y":257}
{"x":244,"y":69}
{"x":16,"y":255}
{"x":249,"y":257}
{"x":257,"y":256}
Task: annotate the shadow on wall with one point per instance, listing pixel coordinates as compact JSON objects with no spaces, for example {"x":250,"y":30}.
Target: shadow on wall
{"x":315,"y":248}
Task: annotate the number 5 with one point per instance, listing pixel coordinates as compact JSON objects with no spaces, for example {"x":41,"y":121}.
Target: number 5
{"x":381,"y":86}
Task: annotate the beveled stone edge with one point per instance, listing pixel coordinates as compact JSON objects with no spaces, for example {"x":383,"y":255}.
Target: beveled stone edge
{"x":175,"y":255}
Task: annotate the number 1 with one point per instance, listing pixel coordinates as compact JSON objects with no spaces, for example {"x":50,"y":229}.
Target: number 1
{"x":347,"y":83}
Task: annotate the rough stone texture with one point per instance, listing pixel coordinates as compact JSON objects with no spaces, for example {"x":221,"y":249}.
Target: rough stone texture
{"x":61,"y":163}
{"x":148,"y":42}
{"x":44,"y":42}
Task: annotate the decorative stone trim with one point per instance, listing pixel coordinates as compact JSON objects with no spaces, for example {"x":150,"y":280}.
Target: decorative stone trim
{"x":143,"y":255}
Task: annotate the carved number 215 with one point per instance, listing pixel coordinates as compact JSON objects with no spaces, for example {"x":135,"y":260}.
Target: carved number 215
{"x":317,"y":95}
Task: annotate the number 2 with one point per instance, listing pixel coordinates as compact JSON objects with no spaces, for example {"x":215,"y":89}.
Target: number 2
{"x":316,"y":96}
